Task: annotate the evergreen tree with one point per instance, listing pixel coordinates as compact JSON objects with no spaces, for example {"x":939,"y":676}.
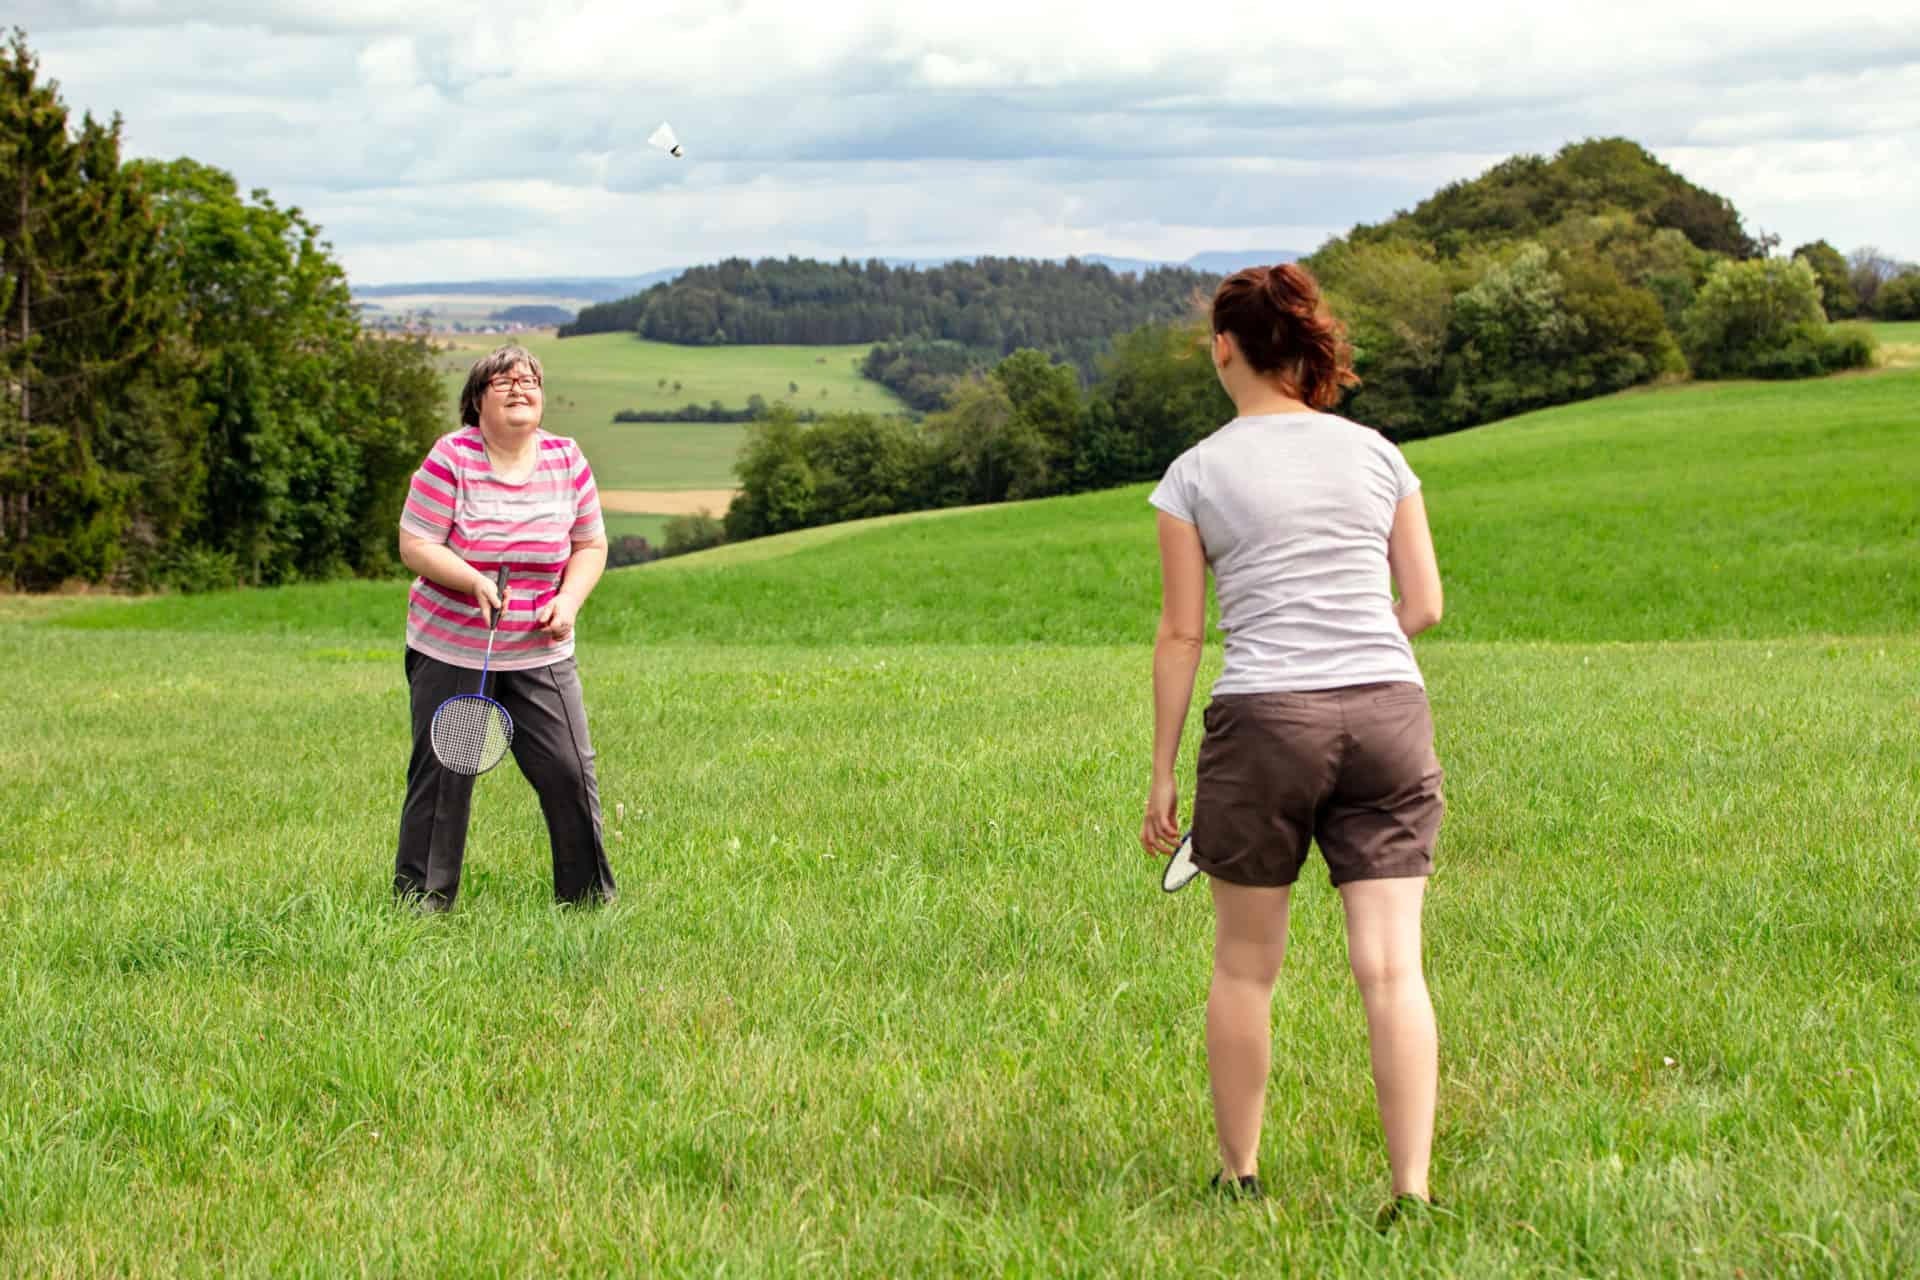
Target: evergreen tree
{"x":82,"y":327}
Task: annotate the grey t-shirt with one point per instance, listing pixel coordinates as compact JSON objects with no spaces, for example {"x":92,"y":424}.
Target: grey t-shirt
{"x":1294,"y":511}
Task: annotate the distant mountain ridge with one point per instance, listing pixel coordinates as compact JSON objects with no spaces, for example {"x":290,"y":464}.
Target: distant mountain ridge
{"x":593,"y":288}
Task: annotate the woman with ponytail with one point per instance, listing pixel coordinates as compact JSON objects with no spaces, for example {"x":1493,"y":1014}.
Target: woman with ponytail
{"x":1318,"y":728}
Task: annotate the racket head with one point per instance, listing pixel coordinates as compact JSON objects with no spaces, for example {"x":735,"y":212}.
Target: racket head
{"x":1180,"y":870}
{"x":471,"y":734}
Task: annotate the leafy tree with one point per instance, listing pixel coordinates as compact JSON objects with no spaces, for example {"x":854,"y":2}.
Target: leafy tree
{"x":1160,"y":393}
{"x":391,"y":407}
{"x":982,"y":451}
{"x":919,"y":371}
{"x":864,"y":466}
{"x":776,"y":483}
{"x":694,"y":532}
{"x":1511,"y":332}
{"x":1837,"y":295}
{"x":1045,"y":398}
{"x":1396,"y":299}
{"x":1748,"y":310}
{"x":1899,"y":298}
{"x":1870,"y":270}
{"x":1623,"y":335}
{"x":311,"y":429}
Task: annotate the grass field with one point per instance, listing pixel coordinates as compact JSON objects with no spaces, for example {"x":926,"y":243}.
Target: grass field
{"x":890,"y":989}
{"x":1899,"y":343}
{"x":652,"y":528}
{"x":590,"y":379}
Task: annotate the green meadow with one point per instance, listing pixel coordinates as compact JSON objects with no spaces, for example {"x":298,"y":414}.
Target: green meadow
{"x":652,"y":528}
{"x":1899,"y":343}
{"x":890,"y":988}
{"x":592,"y":378}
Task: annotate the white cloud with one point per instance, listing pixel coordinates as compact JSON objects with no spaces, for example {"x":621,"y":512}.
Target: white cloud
{"x":473,"y":139}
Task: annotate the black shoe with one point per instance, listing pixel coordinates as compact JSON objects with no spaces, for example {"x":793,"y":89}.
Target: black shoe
{"x":1405,"y":1207}
{"x":1245,"y":1187}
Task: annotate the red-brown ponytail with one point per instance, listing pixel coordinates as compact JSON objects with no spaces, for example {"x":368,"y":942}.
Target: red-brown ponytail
{"x":1283,"y":326}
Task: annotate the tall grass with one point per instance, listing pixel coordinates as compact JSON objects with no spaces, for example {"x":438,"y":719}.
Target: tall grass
{"x":890,"y":989}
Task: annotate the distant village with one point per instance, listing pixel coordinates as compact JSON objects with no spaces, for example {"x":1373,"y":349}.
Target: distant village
{"x":516,"y":319}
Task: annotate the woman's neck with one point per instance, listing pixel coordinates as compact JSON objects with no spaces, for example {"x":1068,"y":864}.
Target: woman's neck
{"x":1256,"y":395}
{"x":508,"y":449}
{"x":1262,"y":402}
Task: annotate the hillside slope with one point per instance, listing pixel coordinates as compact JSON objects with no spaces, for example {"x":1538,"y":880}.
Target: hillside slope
{"x":1724,"y":510}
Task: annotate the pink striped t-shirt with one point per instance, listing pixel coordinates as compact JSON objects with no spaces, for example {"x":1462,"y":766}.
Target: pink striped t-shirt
{"x":530,"y":527}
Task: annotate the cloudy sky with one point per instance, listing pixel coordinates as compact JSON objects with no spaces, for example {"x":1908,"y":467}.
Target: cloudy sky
{"x":440,"y":140}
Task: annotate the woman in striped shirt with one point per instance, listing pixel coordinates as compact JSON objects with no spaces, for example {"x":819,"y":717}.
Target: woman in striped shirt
{"x":500,"y":491}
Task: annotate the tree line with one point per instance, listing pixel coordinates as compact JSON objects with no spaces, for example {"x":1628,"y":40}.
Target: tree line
{"x":989,"y":307}
{"x":1025,"y":428}
{"x":1540,"y":282}
{"x":188,"y":398}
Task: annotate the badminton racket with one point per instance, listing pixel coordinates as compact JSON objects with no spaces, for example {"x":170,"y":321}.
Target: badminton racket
{"x":471,"y":732}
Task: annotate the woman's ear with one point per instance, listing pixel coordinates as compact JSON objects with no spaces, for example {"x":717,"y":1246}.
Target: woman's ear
{"x":1222,"y":351}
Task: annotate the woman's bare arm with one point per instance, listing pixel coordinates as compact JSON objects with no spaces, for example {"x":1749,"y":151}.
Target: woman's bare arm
{"x":1415,"y":571}
{"x":1176,"y":659}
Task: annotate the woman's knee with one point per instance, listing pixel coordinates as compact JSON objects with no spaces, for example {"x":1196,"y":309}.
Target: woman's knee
{"x":1241,"y":960}
{"x":1381,"y":970}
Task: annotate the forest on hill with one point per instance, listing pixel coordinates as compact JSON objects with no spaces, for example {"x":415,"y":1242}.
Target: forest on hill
{"x":1540,"y":282}
{"x":942,"y":319}
{"x":1549,"y":280}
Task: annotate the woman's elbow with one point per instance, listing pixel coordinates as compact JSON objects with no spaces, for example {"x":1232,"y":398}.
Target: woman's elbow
{"x":1415,"y":619}
{"x":1179,"y":638}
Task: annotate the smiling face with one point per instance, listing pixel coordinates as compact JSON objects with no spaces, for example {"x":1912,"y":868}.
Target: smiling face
{"x":513,"y":401}
{"x":504,"y":396}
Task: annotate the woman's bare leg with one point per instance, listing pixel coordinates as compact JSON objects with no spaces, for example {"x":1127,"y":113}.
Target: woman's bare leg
{"x":1249,"y":942}
{"x":1383,"y":946}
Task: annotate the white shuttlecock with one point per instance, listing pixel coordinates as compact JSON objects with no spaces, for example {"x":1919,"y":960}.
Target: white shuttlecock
{"x":663,"y":138}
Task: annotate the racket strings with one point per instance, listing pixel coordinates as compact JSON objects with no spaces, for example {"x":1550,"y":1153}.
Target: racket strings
{"x":471,"y":734}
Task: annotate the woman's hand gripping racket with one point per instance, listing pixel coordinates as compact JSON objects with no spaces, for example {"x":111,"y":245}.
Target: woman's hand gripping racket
{"x":1158,"y":835}
{"x":1180,"y":869}
{"x":471,"y":732}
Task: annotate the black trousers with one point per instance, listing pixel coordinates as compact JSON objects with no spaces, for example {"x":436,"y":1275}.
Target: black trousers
{"x":550,"y":745}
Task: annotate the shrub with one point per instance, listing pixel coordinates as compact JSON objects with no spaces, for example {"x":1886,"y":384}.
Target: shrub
{"x":1818,"y":349}
{"x":201,"y":569}
{"x":694,"y":533}
{"x":630,"y":548}
{"x":1749,"y":314}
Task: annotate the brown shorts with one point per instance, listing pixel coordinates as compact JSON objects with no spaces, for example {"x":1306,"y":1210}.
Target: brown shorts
{"x":1351,"y":768}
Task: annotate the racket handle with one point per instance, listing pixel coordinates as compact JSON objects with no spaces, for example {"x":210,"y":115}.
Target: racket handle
{"x":500,"y":589}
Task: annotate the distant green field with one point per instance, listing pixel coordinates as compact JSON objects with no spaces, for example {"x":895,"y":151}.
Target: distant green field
{"x":1899,"y":342}
{"x":890,"y":988}
{"x":590,"y":379}
{"x":652,"y":528}
{"x":663,"y":455}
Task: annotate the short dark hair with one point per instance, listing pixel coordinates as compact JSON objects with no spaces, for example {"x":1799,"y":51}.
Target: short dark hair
{"x":1283,"y":326}
{"x":485,"y":370}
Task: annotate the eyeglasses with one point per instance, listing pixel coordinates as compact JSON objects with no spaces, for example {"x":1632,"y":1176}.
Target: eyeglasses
{"x":506,"y":383}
